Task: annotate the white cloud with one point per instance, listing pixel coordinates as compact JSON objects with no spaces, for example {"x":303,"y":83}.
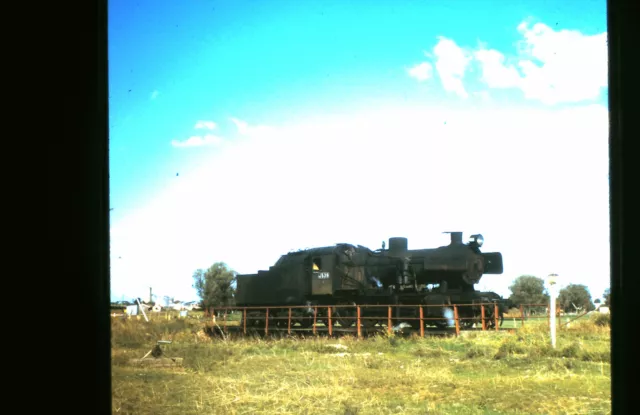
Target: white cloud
{"x":245,"y":129}
{"x":155,"y":94}
{"x":495,"y":73}
{"x":534,"y":183}
{"x":451,"y":64}
{"x":548,"y":66}
{"x":205,"y":124}
{"x":421,"y":71}
{"x":198,"y":141}
{"x":572,"y":66}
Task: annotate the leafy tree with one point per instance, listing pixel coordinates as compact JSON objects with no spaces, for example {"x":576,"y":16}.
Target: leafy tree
{"x":527,"y":289}
{"x":215,"y":285}
{"x":575,"y":294}
{"x":606,"y":297}
{"x":597,"y":301}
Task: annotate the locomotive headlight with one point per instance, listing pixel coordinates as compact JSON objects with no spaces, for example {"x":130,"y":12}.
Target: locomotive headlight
{"x":477,"y":240}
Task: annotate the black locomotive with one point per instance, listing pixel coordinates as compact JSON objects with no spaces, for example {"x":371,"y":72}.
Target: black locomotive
{"x":344,"y":274}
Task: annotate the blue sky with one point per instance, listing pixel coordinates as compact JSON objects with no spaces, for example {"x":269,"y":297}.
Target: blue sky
{"x":508,"y":105}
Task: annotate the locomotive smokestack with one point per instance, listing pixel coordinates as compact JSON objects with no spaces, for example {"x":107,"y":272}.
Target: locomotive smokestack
{"x":398,"y":245}
{"x":456,"y":238}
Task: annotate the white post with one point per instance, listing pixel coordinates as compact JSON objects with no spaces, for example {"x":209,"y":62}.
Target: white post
{"x":552,"y":315}
{"x":552,"y":308}
{"x":142,"y":309}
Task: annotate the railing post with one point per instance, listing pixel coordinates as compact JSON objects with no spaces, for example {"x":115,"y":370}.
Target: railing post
{"x":289,"y":321}
{"x":329,"y":319}
{"x":266,"y":323}
{"x":421,"y":322}
{"x":484,"y":323}
{"x":224,"y":321}
{"x":497,"y":317}
{"x":358,"y":322}
{"x":522,"y":314}
{"x":315,"y":315}
{"x":244,"y":320}
{"x":455,"y":317}
{"x":389,"y":323}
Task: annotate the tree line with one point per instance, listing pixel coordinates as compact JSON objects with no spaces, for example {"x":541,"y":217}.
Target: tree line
{"x":529,"y":289}
{"x":216,"y":287}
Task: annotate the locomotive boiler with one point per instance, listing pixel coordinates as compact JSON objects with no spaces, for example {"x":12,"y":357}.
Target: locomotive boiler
{"x":346,"y":274}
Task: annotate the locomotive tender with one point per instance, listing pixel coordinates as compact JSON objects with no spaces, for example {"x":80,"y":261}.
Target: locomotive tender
{"x":344,"y":274}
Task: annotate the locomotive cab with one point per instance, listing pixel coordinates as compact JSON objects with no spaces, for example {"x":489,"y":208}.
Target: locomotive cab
{"x":321,"y":281}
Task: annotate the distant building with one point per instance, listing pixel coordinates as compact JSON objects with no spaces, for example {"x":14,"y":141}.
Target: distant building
{"x":191,"y":305}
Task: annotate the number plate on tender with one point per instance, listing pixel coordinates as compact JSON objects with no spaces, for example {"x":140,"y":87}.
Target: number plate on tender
{"x":321,"y":283}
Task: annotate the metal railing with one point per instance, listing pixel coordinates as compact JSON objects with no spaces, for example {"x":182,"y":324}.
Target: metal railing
{"x":488,"y":317}
{"x":482,"y":316}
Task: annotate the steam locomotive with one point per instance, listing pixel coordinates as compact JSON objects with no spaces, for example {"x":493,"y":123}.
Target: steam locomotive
{"x":344,"y":274}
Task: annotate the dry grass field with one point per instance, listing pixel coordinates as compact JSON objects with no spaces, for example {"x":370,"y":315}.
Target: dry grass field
{"x":475,"y":373}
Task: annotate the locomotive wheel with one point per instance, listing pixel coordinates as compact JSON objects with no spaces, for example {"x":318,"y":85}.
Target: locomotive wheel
{"x":283,"y":320}
{"x":367,"y":321}
{"x":341,"y":312}
{"x":470,"y":320}
{"x":256,"y":321}
{"x":325,"y":321}
{"x":467,"y":324}
{"x":442,"y":325}
{"x":305,"y":322}
{"x":438,"y":324}
{"x":491,"y":323}
{"x":368,"y":324}
{"x":323,"y":318}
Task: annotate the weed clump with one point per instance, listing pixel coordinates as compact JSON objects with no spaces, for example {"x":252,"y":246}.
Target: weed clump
{"x":207,"y":358}
{"x":602,"y":320}
{"x":350,"y":409}
{"x":429,"y":352}
{"x":476,"y":351}
{"x":562,"y":365}
{"x":508,"y":347}
{"x":373,"y":363}
{"x":572,"y":350}
{"x":595,"y":356}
